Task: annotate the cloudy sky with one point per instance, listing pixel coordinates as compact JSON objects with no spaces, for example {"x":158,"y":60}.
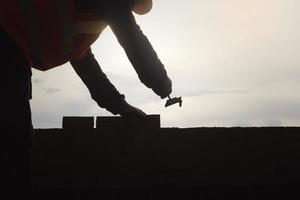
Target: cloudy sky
{"x":234,"y":62}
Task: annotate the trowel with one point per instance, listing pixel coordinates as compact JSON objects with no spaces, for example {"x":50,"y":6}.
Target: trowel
{"x":172,"y":101}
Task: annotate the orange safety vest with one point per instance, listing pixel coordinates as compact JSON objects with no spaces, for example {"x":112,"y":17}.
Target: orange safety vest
{"x":50,"y":32}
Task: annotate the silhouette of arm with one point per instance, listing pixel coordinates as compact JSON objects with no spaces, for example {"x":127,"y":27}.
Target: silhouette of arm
{"x":140,"y":52}
{"x":101,"y":89}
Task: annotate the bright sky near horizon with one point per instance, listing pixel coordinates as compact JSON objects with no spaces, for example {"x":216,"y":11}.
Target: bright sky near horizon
{"x":235,"y":63}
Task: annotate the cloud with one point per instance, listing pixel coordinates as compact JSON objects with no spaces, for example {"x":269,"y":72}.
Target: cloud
{"x":241,"y":124}
{"x":273,"y":122}
{"x":37,"y":81}
{"x":41,"y":84}
{"x":50,"y":90}
{"x":255,"y":108}
{"x":202,"y":92}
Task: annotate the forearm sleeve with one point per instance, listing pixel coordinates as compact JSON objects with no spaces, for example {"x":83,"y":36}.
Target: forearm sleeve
{"x":101,"y":89}
{"x":139,"y":51}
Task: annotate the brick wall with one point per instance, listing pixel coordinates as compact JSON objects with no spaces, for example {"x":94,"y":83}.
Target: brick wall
{"x":129,"y":153}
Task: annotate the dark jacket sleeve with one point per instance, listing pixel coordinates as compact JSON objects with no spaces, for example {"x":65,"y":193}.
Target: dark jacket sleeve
{"x":139,"y":51}
{"x":101,"y":89}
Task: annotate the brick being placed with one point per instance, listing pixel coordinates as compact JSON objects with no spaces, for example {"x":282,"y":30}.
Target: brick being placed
{"x":74,"y":122}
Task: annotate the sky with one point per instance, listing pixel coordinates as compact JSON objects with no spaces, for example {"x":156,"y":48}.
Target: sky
{"x":234,"y":62}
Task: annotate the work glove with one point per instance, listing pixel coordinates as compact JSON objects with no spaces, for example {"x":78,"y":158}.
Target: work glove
{"x":164,"y":90}
{"x":127,"y":110}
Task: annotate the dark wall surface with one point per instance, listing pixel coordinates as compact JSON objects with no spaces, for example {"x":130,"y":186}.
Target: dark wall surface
{"x":140,"y":156}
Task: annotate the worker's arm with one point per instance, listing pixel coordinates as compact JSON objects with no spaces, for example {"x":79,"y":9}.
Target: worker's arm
{"x":139,"y":51}
{"x":101,"y":89}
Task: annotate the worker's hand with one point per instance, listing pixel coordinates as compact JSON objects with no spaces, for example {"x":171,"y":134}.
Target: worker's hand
{"x":128,"y":110}
{"x":164,"y":89}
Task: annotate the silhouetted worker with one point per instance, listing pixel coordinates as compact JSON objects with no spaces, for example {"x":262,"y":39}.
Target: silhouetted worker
{"x":44,"y":34}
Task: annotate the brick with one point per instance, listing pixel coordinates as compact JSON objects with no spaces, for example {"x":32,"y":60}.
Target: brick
{"x":151,"y":121}
{"x":78,"y":122}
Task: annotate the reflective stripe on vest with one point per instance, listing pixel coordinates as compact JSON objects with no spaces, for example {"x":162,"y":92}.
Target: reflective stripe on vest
{"x":68,"y":30}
